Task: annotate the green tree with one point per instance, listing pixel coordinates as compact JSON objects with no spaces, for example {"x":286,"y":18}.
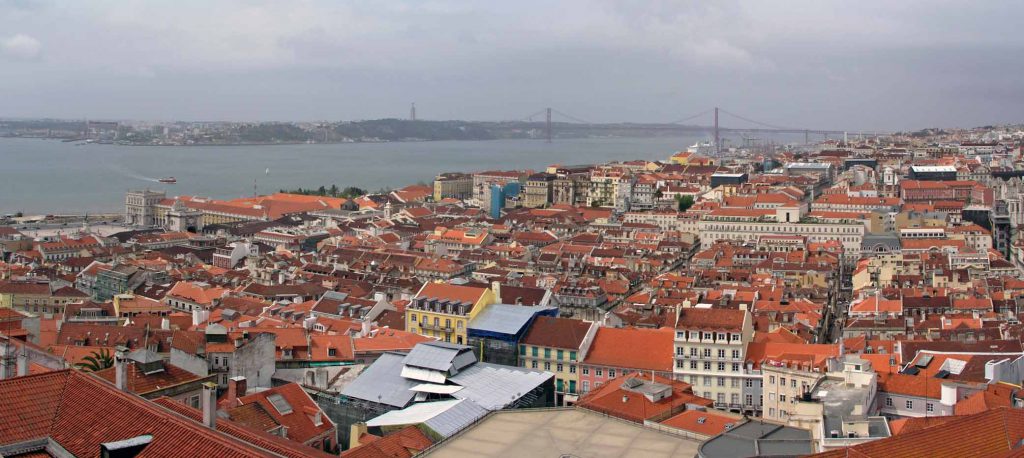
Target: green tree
{"x":97,"y":361}
{"x":321,"y":191}
{"x":334,"y":190}
{"x":684,"y":202}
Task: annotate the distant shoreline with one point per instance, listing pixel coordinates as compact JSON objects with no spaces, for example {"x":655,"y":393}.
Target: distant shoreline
{"x":84,"y":143}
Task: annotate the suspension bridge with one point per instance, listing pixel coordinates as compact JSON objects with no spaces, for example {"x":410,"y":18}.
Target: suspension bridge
{"x":717,"y":128}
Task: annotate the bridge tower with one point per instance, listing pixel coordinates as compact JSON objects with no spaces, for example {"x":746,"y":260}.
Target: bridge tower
{"x":718,"y":148}
{"x":548,"y":123}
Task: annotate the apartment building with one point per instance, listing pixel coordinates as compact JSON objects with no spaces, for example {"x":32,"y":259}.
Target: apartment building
{"x":710,"y":351}
{"x":747,"y":225}
{"x":558,"y":345}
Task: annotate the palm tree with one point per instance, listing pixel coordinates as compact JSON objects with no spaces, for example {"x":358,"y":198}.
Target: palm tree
{"x":97,"y":361}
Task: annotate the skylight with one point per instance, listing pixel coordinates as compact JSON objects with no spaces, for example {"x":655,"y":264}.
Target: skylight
{"x":279,"y":403}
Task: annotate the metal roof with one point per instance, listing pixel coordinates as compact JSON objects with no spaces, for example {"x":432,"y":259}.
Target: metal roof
{"x":505,"y":318}
{"x":382,"y":382}
{"x":755,"y":438}
{"x":494,"y":386}
{"x":443,"y":417}
{"x":439,"y":356}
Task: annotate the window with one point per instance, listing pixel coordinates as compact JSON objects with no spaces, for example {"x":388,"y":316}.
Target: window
{"x":412,"y":318}
{"x":771,"y":379}
{"x":749,"y":400}
{"x":735,"y":354}
{"x":332,"y":352}
{"x":782,"y":381}
{"x":734,"y":398}
{"x":721,"y":354}
{"x":735,"y":367}
{"x":707,"y":381}
{"x":535,"y":352}
{"x":721,"y":336}
{"x":599,"y":372}
{"x":572,"y":356}
{"x":533,"y":364}
{"x":522,"y":350}
{"x":749,"y":383}
{"x":792,"y":383}
{"x":547,"y":366}
{"x":721,"y":367}
{"x":680,"y":365}
{"x":559,"y":367}
{"x":693,"y":365}
{"x":735,"y":383}
{"x":572,"y":368}
{"x":707,"y":352}
{"x":611,"y":373}
{"x":930,"y":407}
{"x":560,"y":355}
{"x":771,"y":396}
{"x":782,"y":398}
{"x":586,"y":371}
{"x":771,"y":412}
{"x":547,"y":353}
{"x":910,"y":404}
{"x":586,"y":386}
{"x":721,"y":381}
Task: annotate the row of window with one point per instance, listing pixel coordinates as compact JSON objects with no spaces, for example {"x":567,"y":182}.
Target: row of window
{"x":559,"y":354}
{"x":782,"y":382}
{"x":709,"y":336}
{"x":547,"y":366}
{"x":909,"y":404}
{"x":437,"y":321}
{"x":735,"y":367}
{"x":797,"y":228}
{"x":706,"y":353}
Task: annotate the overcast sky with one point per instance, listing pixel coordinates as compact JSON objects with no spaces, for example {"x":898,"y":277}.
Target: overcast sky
{"x":814,"y":64}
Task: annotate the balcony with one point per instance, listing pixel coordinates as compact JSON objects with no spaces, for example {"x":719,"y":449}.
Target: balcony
{"x":435,"y":327}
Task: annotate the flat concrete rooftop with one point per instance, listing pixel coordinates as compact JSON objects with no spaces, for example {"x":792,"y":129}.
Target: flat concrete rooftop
{"x":562,"y":432}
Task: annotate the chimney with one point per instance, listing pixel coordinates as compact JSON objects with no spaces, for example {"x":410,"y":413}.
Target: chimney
{"x":165,"y":323}
{"x":364,"y":328}
{"x":496,"y":287}
{"x":210,"y":405}
{"x":121,"y":367}
{"x":236,"y":389}
{"x":6,"y":360}
{"x":23,"y":361}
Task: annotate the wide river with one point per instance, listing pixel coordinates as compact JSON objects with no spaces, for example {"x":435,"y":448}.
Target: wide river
{"x":50,"y":176}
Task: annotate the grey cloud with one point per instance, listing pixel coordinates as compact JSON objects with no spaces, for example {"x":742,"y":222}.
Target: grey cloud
{"x":865,"y":65}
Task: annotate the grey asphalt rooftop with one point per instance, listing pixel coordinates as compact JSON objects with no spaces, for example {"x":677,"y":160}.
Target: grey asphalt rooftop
{"x":562,"y":432}
{"x":755,"y":438}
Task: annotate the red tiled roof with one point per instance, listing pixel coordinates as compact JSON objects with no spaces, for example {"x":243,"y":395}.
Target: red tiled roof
{"x":711,"y":319}
{"x":141,"y":383}
{"x":262,"y":439}
{"x":555,"y":332}
{"x":79,"y":412}
{"x":632,"y":348}
{"x":612,"y":399}
{"x":991,"y":433}
{"x":300,"y":426}
{"x":470,"y":294}
{"x":403,"y":443}
{"x":712,"y":425}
